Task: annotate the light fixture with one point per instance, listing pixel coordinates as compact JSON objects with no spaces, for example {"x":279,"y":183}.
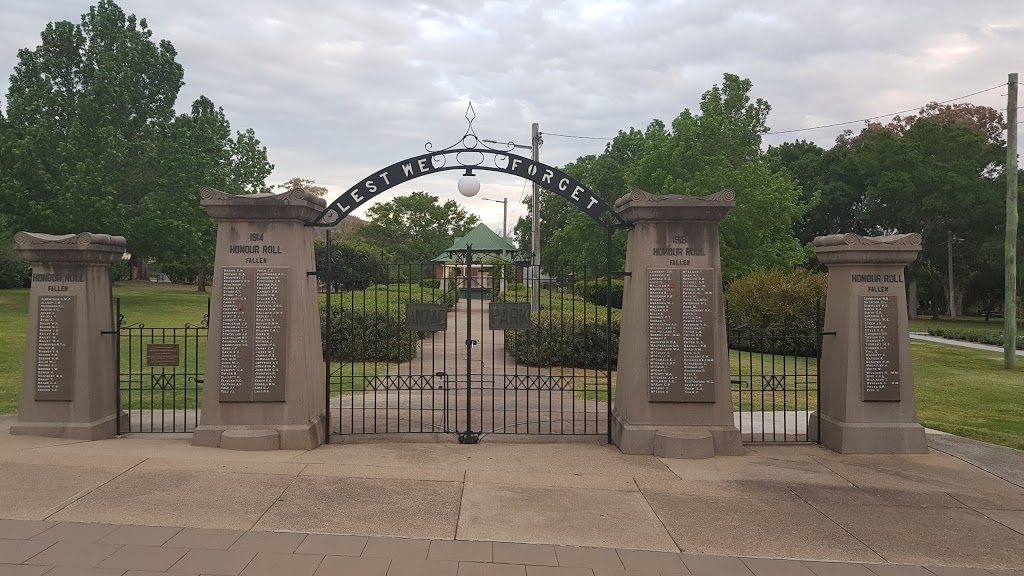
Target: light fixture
{"x":469,"y":185}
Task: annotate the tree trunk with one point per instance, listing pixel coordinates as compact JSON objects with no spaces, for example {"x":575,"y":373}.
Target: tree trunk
{"x":141,"y":267}
{"x":201,"y":280}
{"x":912,"y":299}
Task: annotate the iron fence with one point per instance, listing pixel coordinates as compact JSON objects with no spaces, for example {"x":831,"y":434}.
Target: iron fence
{"x":774,"y":375}
{"x":160,"y":375}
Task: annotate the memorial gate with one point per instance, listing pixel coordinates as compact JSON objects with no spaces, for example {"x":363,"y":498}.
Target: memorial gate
{"x":477,"y":342}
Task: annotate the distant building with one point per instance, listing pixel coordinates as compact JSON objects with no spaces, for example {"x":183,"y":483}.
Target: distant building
{"x":490,"y":252}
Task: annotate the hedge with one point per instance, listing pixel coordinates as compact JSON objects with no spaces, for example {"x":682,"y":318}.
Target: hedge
{"x":559,"y":341}
{"x":597,"y":292}
{"x":989,"y":337}
{"x":14,"y":274}
{"x":369,"y":336}
{"x":776,"y":311}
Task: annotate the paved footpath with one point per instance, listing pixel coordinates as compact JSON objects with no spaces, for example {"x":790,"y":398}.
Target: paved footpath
{"x":960,"y":343}
{"x":121,"y":506}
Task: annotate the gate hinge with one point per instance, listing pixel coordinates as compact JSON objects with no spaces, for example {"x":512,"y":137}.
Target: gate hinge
{"x":107,"y":332}
{"x":313,"y":273}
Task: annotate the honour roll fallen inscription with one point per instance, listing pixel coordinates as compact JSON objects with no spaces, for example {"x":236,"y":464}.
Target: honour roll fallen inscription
{"x":252,"y":348}
{"x":53,"y":352}
{"x":880,"y":351}
{"x":698,"y":320}
{"x":269,"y":336}
{"x":236,"y":329}
{"x":665,"y":337}
{"x":681,"y":330}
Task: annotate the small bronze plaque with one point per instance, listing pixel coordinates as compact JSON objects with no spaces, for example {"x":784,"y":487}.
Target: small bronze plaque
{"x":426,"y":317}
{"x":162,"y":354}
{"x":510,"y":316}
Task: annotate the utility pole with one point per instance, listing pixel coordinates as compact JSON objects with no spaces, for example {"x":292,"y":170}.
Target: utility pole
{"x":1010,"y":305}
{"x":949,"y":251}
{"x":535,"y":233}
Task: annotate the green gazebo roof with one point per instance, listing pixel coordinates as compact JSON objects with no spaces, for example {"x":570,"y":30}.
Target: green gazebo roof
{"x":483,"y":240}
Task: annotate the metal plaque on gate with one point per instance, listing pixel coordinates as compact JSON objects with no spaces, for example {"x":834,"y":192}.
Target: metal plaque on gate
{"x":426,"y":317}
{"x":162,"y":354}
{"x":510,"y":316}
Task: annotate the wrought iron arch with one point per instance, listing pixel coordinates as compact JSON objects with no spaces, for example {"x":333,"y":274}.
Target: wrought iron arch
{"x":469,"y":153}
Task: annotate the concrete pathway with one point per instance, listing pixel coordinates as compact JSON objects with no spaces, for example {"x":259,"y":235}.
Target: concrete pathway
{"x":803,"y":503}
{"x":960,"y":343}
{"x":441,"y":390}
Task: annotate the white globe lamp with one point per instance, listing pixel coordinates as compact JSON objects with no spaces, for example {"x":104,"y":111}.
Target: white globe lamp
{"x":469,"y":185}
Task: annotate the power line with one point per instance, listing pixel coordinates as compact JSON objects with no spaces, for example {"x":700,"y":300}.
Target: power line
{"x":916,"y":108}
{"x":580,"y":137}
{"x":890,"y":114}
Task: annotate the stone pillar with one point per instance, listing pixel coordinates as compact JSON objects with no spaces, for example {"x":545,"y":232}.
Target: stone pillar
{"x":69,"y":384}
{"x":264,"y":384}
{"x":867,"y":381}
{"x":672,"y":396}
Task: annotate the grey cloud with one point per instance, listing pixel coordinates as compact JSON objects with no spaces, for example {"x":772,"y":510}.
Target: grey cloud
{"x":337,"y":90}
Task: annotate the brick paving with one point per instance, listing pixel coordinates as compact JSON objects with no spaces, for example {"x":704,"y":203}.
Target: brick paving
{"x":87,"y":549}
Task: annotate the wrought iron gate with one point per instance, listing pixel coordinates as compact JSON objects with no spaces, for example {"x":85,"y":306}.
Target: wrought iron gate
{"x":160,"y":374}
{"x":774,"y":374}
{"x":453,"y":348}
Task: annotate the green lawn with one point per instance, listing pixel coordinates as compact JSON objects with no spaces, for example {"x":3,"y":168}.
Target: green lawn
{"x":959,"y":390}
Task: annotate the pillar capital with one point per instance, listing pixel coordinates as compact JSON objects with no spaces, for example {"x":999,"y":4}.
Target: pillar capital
{"x":640,"y":206}
{"x":84,"y":248}
{"x":897,"y":249}
{"x":295,"y":204}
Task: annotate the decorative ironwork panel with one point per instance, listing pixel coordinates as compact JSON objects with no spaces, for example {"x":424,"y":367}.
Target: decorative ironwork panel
{"x":497,"y":368}
{"x":160,"y":375}
{"x":774,"y":376}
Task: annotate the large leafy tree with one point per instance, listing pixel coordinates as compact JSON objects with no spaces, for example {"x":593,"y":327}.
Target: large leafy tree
{"x":91,"y":141}
{"x":82,"y":115}
{"x":417,"y":227}
{"x":937,"y":173}
{"x":197,"y":150}
{"x":700,"y":153}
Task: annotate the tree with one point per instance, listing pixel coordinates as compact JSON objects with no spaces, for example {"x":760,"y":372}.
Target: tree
{"x":355,"y":265}
{"x":702,"y":153}
{"x":91,"y":141}
{"x":197,"y":150}
{"x":416,"y":228}
{"x":83,"y":109}
{"x":304,"y":183}
{"x":936,"y":173}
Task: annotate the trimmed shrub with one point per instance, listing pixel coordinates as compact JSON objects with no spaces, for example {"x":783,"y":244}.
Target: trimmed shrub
{"x":370,"y":336}
{"x":990,"y":337}
{"x":14,"y":274}
{"x":776,"y":311}
{"x":597,"y":292}
{"x":430,"y":283}
{"x":558,"y":341}
{"x":120,"y":272}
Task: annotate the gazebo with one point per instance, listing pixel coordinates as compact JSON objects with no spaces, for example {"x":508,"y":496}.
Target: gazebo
{"x":489,"y":252}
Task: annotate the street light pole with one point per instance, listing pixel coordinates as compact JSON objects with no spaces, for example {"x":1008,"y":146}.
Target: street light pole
{"x":504,"y":216}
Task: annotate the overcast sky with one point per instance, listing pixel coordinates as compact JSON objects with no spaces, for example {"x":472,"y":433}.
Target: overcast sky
{"x":336,"y":90}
